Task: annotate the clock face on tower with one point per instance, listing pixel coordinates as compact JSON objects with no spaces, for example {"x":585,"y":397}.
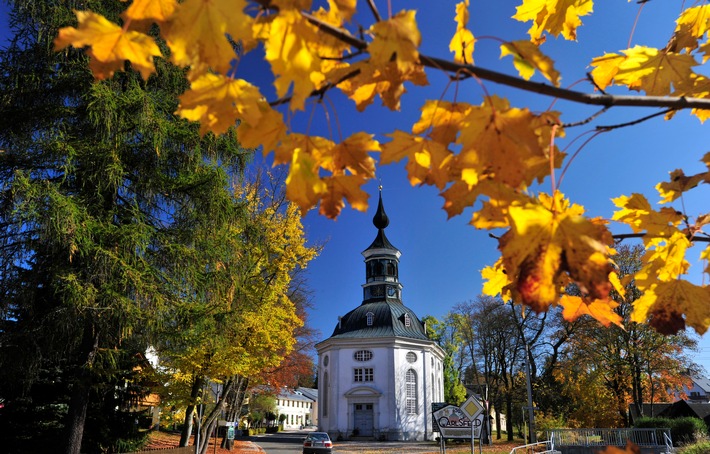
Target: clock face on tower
{"x":378,"y":290}
{"x":391,"y":291}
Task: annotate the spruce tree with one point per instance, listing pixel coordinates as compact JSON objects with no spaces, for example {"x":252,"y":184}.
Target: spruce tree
{"x":100,"y":187}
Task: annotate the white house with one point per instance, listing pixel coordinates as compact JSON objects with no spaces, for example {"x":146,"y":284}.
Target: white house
{"x":299,"y":406}
{"x":698,"y":392}
{"x":378,"y":372}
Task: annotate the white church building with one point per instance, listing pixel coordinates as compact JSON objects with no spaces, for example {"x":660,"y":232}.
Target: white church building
{"x":379,"y":372}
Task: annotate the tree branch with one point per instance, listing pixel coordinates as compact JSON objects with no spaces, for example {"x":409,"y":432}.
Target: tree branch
{"x":606,"y":100}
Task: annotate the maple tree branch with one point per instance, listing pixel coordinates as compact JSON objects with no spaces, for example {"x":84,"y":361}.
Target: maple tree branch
{"x":625,"y":236}
{"x":373,"y":8}
{"x":677,"y":103}
{"x":635,"y":122}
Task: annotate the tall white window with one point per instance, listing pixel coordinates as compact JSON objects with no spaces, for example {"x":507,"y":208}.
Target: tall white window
{"x":325,"y":394}
{"x":407,"y":320}
{"x":370,"y":318}
{"x":411,"y":381}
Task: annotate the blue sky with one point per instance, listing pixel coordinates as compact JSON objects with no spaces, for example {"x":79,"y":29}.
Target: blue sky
{"x":441,"y":260}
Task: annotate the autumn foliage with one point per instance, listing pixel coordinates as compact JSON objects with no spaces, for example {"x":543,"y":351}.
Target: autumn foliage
{"x":491,"y":152}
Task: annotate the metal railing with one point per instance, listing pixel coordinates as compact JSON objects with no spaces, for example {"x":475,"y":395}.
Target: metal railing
{"x":535,"y":448}
{"x":610,"y":437}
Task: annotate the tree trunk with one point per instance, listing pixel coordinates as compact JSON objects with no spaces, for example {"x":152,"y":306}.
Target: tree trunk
{"x":79,"y":402}
{"x":195,"y":395}
{"x":509,"y":419}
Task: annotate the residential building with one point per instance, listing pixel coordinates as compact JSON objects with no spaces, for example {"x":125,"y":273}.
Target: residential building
{"x":298,"y":406}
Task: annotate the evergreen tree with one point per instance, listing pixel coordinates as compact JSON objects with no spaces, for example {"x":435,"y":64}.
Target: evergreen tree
{"x":100,"y":187}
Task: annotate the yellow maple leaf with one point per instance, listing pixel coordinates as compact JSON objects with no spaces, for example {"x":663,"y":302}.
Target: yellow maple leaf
{"x":527,"y":58}
{"x":496,"y":280}
{"x":217,"y":102}
{"x":503,"y":143}
{"x":601,"y":310}
{"x":631,"y":448}
{"x":110,"y":45}
{"x":493,"y":213}
{"x":459,"y":196}
{"x":352,"y":154}
{"x":463,"y":42}
{"x":266,"y":133}
{"x":664,"y":260}
{"x":294,"y":61}
{"x":637,"y":213}
{"x":362,"y":81}
{"x":304,"y":185}
{"x":692,"y":25}
{"x":670,"y":306}
{"x":197,"y":33}
{"x":678,"y":184}
{"x":443,"y":120}
{"x":428,"y":161}
{"x":705,"y":255}
{"x":658,"y":73}
{"x":397,"y":38}
{"x":341,"y":187}
{"x":554,"y":16}
{"x":344,"y":8}
{"x":548,"y":238}
{"x":155,"y":10}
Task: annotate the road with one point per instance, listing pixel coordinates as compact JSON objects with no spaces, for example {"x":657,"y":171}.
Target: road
{"x":291,"y":442}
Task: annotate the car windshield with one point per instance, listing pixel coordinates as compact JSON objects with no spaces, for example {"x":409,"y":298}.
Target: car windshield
{"x":319,"y":436}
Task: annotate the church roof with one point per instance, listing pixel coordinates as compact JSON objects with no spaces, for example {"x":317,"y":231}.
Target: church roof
{"x":381,"y":221}
{"x":388,"y":320}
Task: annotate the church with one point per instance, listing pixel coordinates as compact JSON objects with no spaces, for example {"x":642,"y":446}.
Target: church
{"x":379,"y":372}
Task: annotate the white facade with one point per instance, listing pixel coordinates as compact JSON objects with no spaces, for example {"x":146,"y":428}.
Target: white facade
{"x":298,"y":407}
{"x":379,"y":373}
{"x":380,"y":408}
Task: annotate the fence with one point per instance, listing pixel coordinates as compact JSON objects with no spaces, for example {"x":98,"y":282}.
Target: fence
{"x":535,"y":448}
{"x":184,"y":450}
{"x":649,"y":440}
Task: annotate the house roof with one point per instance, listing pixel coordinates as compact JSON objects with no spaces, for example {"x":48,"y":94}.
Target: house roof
{"x":311,"y":393}
{"x":676,"y":409}
{"x":702,"y":382}
{"x":388,"y":321}
{"x":290,"y":394}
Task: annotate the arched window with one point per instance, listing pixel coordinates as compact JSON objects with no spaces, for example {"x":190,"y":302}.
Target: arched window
{"x":411,"y":381}
{"x":370,"y":318}
{"x":390,"y":269}
{"x":325,"y":394}
{"x":407,"y":320}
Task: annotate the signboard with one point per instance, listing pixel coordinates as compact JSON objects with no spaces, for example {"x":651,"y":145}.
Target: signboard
{"x":465,"y":421}
{"x":224,"y":422}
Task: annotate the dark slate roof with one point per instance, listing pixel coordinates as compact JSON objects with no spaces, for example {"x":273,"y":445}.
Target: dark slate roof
{"x":388,"y":321}
{"x":381,"y":242}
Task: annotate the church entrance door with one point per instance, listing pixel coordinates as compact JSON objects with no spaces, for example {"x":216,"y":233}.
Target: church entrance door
{"x":364,"y":420}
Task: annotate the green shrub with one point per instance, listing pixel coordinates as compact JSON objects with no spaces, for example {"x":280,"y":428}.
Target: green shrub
{"x":684,"y":431}
{"x":702,"y":447}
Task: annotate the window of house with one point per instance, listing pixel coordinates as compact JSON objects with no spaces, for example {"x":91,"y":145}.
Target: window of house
{"x":407,"y":320}
{"x":370,"y":318}
{"x":411,"y":398}
{"x":362,"y":355}
{"x":364,"y":374}
{"x":411,"y":357}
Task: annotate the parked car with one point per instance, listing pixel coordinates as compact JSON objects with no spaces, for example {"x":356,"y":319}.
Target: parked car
{"x":317,"y":443}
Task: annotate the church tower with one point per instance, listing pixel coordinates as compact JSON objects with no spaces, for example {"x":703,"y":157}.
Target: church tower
{"x":378,"y":372}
